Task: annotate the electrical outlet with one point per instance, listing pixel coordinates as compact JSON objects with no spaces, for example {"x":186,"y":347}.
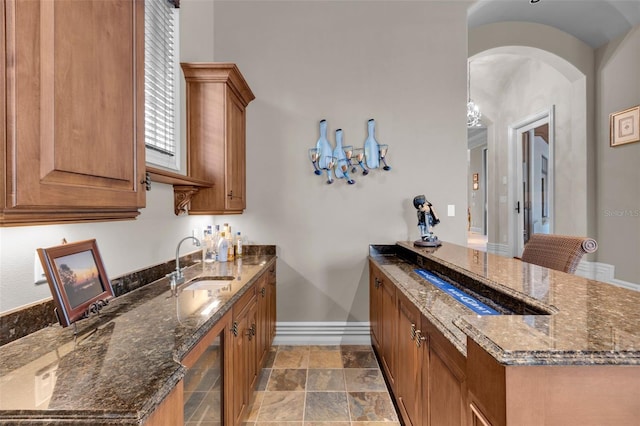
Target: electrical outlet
{"x":451,"y":210}
{"x":38,"y":272}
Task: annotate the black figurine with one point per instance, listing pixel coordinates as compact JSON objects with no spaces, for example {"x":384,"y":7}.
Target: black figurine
{"x":427,"y":219}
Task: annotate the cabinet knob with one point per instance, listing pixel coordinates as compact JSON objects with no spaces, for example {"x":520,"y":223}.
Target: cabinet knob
{"x":378,"y":282}
{"x":419,"y":338}
{"x":263,"y":291}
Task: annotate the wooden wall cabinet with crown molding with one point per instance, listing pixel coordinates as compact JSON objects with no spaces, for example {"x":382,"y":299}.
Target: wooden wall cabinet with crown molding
{"x":217,"y":97}
{"x":73,"y":140}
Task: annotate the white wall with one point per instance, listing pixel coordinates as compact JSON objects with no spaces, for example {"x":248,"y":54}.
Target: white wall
{"x":402,"y":63}
{"x":551,"y":52}
{"x":124,"y":246}
{"x":534,"y":87}
{"x":609,"y":178}
{"x":618,"y":173}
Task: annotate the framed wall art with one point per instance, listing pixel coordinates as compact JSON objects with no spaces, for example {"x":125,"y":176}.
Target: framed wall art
{"x":624,"y":126}
{"x":77,"y":279}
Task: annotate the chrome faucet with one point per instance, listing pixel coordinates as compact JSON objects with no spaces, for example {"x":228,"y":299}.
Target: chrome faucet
{"x":177,"y":277}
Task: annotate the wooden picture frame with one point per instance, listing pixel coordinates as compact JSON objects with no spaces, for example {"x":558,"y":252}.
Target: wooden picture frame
{"x":624,"y":126}
{"x":77,"y":279}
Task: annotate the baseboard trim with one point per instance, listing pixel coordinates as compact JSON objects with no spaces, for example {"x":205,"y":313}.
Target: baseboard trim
{"x":500,"y":249}
{"x":323,"y":333}
{"x":604,"y":272}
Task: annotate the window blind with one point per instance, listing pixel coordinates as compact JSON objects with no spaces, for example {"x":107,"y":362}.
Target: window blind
{"x":160,"y":77}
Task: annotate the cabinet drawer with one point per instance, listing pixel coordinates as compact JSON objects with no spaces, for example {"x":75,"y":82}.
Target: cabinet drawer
{"x":245,"y":301}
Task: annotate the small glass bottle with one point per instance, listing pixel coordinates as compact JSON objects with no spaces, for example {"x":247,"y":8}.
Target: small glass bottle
{"x":238,"y":245}
{"x":230,"y":245}
{"x":208,"y":249}
{"x":216,"y":239}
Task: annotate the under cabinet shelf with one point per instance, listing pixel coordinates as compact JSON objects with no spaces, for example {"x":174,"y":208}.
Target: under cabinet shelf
{"x":184,"y":187}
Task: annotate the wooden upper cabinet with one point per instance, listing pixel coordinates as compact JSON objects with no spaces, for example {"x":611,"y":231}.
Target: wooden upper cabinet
{"x":217,"y":97}
{"x":74,"y":111}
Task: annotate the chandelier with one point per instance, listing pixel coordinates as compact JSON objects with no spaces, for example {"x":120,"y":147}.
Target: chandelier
{"x":473,"y":112}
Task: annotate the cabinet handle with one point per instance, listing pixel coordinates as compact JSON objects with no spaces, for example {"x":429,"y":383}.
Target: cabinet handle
{"x":263,"y":292}
{"x":234,"y":328}
{"x":146,"y":181}
{"x":413,"y":331}
{"x":378,"y":282}
{"x":419,"y":338}
{"x":251,"y":331}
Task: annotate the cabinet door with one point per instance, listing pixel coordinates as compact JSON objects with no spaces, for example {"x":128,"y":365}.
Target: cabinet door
{"x":410,"y":348}
{"x":252,"y":349}
{"x":263,"y":333}
{"x":447,"y":382}
{"x":266,"y":287}
{"x":272,"y":314}
{"x":75,"y":100}
{"x":240,"y":371}
{"x":235,"y":180}
{"x":205,"y":387}
{"x":388,"y":327}
{"x":245,"y":369}
{"x":375,"y":306}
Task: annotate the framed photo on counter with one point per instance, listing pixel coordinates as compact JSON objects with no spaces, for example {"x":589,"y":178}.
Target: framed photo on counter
{"x":76,"y":277}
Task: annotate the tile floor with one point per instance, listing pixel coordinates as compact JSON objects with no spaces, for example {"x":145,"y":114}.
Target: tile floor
{"x":322,"y":385}
{"x":477,"y":241}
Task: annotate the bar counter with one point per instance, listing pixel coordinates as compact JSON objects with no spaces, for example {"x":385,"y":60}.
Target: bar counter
{"x":550,"y":317}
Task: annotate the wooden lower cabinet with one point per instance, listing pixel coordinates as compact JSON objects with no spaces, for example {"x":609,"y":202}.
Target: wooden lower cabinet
{"x":170,"y":412}
{"x":426,"y":373}
{"x":556,"y":395}
{"x":223,"y":367}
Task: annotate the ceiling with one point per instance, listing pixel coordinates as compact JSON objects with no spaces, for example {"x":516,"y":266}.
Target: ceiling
{"x":595,"y":22}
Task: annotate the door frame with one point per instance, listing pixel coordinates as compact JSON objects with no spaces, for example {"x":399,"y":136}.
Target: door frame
{"x":514,"y":193}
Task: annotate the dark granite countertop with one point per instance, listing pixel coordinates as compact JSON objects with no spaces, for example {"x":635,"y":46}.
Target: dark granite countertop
{"x":124,"y":361}
{"x":550,"y":317}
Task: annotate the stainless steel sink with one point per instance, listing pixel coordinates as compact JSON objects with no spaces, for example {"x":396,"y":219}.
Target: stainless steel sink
{"x":209,"y":283}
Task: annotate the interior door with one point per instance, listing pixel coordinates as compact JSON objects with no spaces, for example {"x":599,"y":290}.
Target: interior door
{"x":533,"y":203}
